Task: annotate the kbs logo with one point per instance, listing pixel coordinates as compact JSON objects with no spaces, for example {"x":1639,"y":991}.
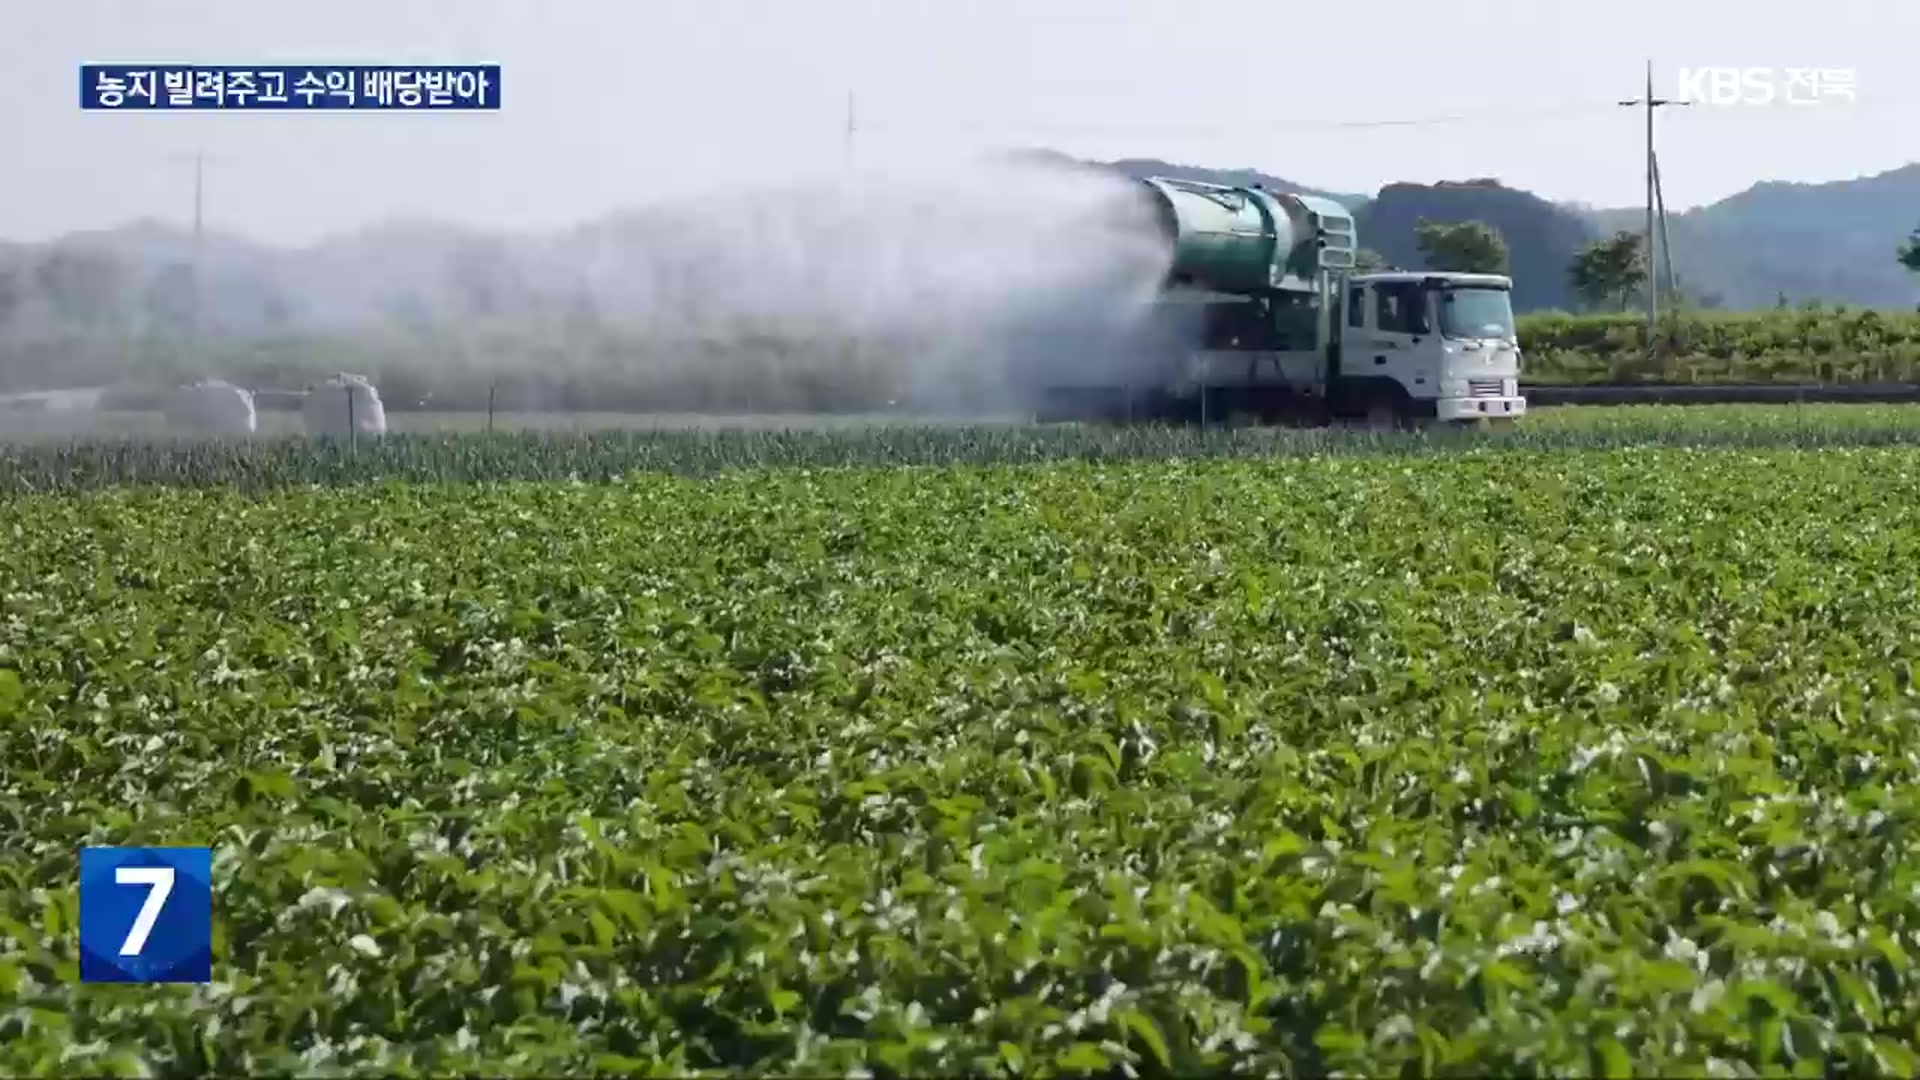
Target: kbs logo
{"x":1763,"y":86}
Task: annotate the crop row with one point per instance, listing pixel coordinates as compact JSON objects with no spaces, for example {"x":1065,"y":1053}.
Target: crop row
{"x":1532,"y":762}
{"x":596,"y":455}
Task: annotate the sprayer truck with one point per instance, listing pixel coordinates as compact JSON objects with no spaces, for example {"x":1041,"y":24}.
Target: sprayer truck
{"x":1264,"y":284}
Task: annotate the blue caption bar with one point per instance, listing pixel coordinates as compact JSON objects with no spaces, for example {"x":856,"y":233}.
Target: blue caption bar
{"x":191,"y":86}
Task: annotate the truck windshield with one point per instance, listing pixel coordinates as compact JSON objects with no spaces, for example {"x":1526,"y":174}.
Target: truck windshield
{"x":1475,"y":313}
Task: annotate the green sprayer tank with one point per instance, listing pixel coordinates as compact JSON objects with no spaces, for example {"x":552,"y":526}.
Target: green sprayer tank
{"x":1249,"y":240}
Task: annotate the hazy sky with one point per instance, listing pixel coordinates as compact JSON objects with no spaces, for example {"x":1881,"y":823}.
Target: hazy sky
{"x":612,"y":103}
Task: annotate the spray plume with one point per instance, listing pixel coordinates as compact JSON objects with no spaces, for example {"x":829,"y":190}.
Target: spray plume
{"x":952,"y":290}
{"x":962,"y":289}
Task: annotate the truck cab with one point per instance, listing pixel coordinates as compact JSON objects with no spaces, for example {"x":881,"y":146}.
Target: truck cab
{"x":1429,"y":346}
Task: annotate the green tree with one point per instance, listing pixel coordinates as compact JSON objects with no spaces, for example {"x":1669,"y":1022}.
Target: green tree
{"x":1469,"y":247}
{"x":171,"y":297}
{"x":1367,"y":261}
{"x":84,"y":287}
{"x":408,"y":312}
{"x":1609,"y":272}
{"x":1686,"y":297}
{"x":13,"y":295}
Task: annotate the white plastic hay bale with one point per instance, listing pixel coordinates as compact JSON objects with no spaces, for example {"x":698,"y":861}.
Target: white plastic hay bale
{"x":212,"y":407}
{"x":344,"y":404}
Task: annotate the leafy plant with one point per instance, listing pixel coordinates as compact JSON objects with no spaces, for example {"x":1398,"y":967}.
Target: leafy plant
{"x":1471,"y":247}
{"x":1805,"y":345}
{"x":1494,"y":762}
{"x":1610,"y":271}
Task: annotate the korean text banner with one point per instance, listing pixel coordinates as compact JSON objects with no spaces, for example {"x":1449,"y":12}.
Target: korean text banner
{"x":187,"y":86}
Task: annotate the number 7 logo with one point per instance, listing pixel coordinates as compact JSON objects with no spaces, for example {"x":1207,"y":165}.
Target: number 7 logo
{"x":146,"y":914}
{"x":161,"y":879}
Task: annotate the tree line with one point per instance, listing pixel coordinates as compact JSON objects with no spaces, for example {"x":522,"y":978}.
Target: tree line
{"x":1607,"y":275}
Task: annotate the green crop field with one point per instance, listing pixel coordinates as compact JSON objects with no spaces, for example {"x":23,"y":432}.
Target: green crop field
{"x":1810,"y":344}
{"x":1587,"y":748}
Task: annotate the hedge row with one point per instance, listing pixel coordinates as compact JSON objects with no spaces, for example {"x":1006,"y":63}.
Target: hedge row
{"x":1788,"y":345}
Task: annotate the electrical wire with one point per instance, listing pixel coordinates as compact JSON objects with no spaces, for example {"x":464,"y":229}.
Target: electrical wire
{"x":1082,"y":130}
{"x":1526,"y":114}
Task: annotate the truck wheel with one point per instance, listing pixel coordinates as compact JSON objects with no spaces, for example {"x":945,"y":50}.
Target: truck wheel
{"x":1383,"y":416}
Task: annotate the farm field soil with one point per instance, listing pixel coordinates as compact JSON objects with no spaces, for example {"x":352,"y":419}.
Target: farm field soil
{"x":1482,"y":764}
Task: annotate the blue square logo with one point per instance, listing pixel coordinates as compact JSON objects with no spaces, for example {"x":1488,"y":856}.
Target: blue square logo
{"x":146,"y":914}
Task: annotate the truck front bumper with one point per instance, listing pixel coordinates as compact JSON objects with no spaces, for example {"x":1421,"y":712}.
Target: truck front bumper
{"x":1455,"y":410}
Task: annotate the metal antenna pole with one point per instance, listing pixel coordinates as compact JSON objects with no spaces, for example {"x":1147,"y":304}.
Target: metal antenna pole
{"x":850,"y":130}
{"x":1666,"y":240}
{"x":1653,"y":198}
{"x":1653,"y":256}
{"x":199,"y":232}
{"x":199,"y":195}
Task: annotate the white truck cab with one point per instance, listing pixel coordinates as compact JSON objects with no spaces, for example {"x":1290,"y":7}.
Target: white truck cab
{"x":1432,"y":345}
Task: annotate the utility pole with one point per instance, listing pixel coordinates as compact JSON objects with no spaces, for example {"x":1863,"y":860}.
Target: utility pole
{"x":199,"y":231}
{"x":1653,"y":196}
{"x":1666,"y":243}
{"x":1653,"y":251}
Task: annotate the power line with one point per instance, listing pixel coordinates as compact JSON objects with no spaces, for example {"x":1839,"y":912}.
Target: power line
{"x":1535,"y":114}
{"x":1550,"y":113}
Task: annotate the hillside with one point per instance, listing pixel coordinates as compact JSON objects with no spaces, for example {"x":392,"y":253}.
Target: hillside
{"x":1829,"y":241}
{"x":1541,"y":236}
{"x":1835,"y":239}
